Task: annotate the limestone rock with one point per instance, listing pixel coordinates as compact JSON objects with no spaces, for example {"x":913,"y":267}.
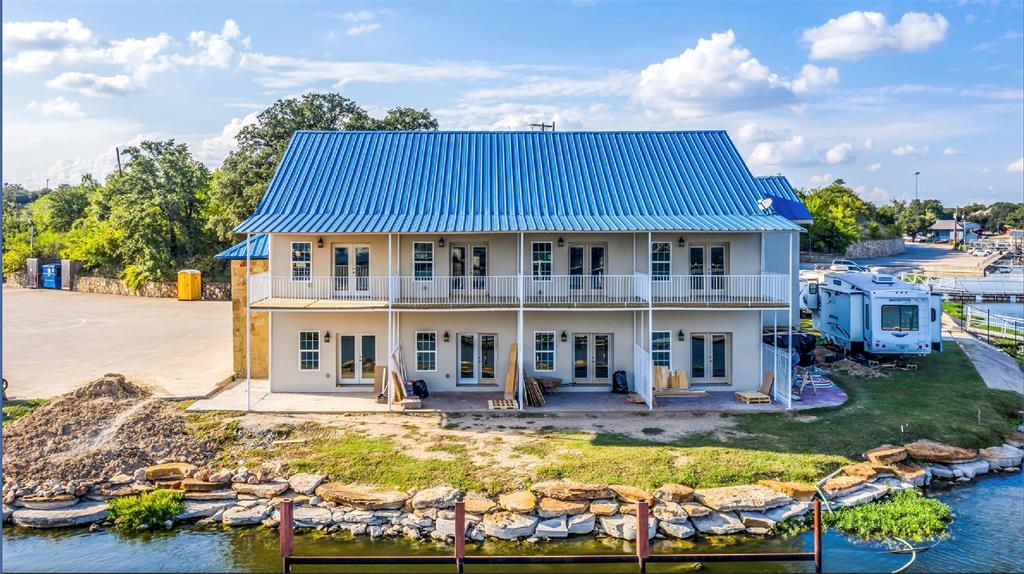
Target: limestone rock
{"x":604,"y":507}
{"x":312,"y":517}
{"x":911,"y":473}
{"x":84,"y":513}
{"x":170,"y":471}
{"x":361,"y":497}
{"x":630,"y":493}
{"x":676,"y":529}
{"x":941,"y":471}
{"x":213,"y":495}
{"x":508,"y":525}
{"x":886,"y":454}
{"x":932,"y":451}
{"x":791,"y":510}
{"x":222,"y":477}
{"x":841,"y":485}
{"x":694,"y":509}
{"x":795,"y":490}
{"x":1015,"y":439}
{"x":1002,"y":456}
{"x":519,"y":501}
{"x":628,"y":508}
{"x":437,"y":497}
{"x":553,"y":507}
{"x":262,"y":490}
{"x":47,"y":502}
{"x":196,"y":485}
{"x":444,"y":528}
{"x":624,"y":527}
{"x":867,"y":470}
{"x":203,"y":508}
{"x":748,"y":497}
{"x":581,"y":523}
{"x":674,"y":493}
{"x":305,"y":482}
{"x":866,"y":493}
{"x":969,"y":469}
{"x":753,"y":519}
{"x":718,"y":523}
{"x":477,"y":503}
{"x":572,"y":490}
{"x":242,"y":516}
{"x":553,"y":527}
{"x":670,"y":512}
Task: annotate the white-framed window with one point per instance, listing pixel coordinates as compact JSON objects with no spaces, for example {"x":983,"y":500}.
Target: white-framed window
{"x":426,"y":350}
{"x":544,"y":351}
{"x":302,"y":260}
{"x":309,"y":350}
{"x":661,"y":348}
{"x":661,"y":261}
{"x":540,"y":258}
{"x":423,"y":260}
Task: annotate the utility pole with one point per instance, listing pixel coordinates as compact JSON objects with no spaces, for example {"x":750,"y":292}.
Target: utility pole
{"x":543,"y":126}
{"x":117,"y":152}
{"x":916,"y":173}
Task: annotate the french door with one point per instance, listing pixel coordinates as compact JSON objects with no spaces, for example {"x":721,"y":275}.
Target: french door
{"x":591,"y":358}
{"x":357,"y":358}
{"x":707,"y":267}
{"x":710,"y":357}
{"x":587,"y":260}
{"x":469,"y":267}
{"x":477,"y":358}
{"x":351,"y":270}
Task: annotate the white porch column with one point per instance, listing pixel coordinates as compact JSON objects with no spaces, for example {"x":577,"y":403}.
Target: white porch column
{"x":789,"y":321}
{"x":650,"y":322}
{"x":248,"y":320}
{"x":521,"y":376}
{"x":760,"y":314}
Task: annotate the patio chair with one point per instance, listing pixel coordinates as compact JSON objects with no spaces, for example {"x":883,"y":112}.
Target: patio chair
{"x":760,"y":397}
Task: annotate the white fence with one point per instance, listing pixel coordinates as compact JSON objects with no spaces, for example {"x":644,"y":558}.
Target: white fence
{"x":453,"y":291}
{"x":583,"y":289}
{"x":642,"y":379}
{"x":986,"y":324}
{"x":779,"y":362}
{"x":722,"y":289}
{"x":265,"y":286}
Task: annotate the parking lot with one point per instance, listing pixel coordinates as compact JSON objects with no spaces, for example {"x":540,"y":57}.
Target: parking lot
{"x":54,"y":341}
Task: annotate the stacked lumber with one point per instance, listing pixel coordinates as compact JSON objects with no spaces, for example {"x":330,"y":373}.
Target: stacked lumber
{"x":534,"y":392}
{"x":512,"y":374}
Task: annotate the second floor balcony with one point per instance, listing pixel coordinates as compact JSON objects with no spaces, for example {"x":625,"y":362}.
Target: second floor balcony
{"x":637,"y":291}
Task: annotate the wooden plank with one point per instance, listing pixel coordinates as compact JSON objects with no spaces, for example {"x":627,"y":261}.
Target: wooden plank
{"x":511,"y":374}
{"x":379,"y":374}
{"x":502,"y":405}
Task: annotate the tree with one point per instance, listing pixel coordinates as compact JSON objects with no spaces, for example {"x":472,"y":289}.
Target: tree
{"x":919,"y":215}
{"x":243,"y":178}
{"x":59,"y":209}
{"x":836,"y":210}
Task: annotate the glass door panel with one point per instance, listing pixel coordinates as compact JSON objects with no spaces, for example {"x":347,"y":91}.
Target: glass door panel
{"x":458,"y":267}
{"x":368,"y":359}
{"x":716,"y":267}
{"x":597,"y":264}
{"x":347,"y":359}
{"x":602,"y":356}
{"x":362,"y":268}
{"x":467,"y":359}
{"x":581,"y":357}
{"x":479,"y":266}
{"x":576,"y":266}
{"x":488,"y":357}
{"x":698,"y":355}
{"x":697,"y":267}
{"x":341,"y":269}
{"x":719,"y":357}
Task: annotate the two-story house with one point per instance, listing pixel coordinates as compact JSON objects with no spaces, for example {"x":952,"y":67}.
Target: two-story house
{"x":593,"y":252}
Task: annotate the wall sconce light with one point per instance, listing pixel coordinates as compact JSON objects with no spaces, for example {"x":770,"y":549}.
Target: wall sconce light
{"x":561,"y":242}
{"x":682,"y":242}
{"x":564,"y":337}
{"x":440,"y":242}
{"x":327,"y":336}
{"x":445,"y":336}
{"x":319,"y":241}
{"x":681,"y":336}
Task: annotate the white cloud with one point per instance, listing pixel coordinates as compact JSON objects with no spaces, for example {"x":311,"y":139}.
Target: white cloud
{"x":213,"y":50}
{"x":361,"y":29}
{"x":755,"y":132}
{"x":614,"y":83}
{"x":716,"y":75}
{"x":41,"y":35}
{"x":869,"y":144}
{"x":57,"y":107}
{"x":794,"y":149}
{"x":953,"y":151}
{"x":877,"y":195}
{"x":519,"y":116}
{"x":93,"y":84}
{"x":213,"y":150}
{"x":839,"y":153}
{"x":910,"y":150}
{"x":363,"y":22}
{"x":812,"y":77}
{"x":857,"y":34}
{"x":1016,"y":167}
{"x":874,"y":167}
{"x":359,"y":16}
{"x":821,"y":179}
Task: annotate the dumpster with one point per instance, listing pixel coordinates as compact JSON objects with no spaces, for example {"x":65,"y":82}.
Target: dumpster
{"x":51,"y":276}
{"x":190,"y":285}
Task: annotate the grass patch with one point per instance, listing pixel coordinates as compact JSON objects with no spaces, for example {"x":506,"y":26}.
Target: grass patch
{"x":448,"y":447}
{"x":906,"y":514}
{"x":14,"y":410}
{"x":146,"y":510}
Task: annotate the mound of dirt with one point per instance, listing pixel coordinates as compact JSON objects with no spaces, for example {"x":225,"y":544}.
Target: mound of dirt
{"x":100,"y":429}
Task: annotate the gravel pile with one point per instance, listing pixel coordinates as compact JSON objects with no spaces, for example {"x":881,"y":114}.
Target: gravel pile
{"x":100,"y":429}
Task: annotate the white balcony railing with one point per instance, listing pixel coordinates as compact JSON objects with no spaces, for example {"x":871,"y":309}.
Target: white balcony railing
{"x":512,"y":290}
{"x":712,"y":290}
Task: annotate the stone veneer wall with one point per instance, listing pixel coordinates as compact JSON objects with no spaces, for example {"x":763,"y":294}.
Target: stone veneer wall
{"x":16,"y":279}
{"x":860,"y":250}
{"x":259,"y":328}
{"x":212,"y":291}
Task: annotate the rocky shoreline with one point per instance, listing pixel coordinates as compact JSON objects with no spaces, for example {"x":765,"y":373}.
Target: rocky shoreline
{"x":550,"y":509}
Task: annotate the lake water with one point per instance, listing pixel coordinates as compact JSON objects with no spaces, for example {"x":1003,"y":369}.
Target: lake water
{"x":986,"y":537}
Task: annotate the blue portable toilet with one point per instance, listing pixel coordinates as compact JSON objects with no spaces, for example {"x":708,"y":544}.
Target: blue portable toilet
{"x":51,"y":276}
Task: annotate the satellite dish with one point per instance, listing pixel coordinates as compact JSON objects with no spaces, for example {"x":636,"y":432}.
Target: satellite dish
{"x":765,"y":204}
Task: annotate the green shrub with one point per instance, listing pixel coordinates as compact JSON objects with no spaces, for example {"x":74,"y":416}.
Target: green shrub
{"x":150,"y":509}
{"x":14,"y":410}
{"x":906,"y":514}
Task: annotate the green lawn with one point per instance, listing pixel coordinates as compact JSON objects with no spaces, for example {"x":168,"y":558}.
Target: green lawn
{"x":14,"y":410}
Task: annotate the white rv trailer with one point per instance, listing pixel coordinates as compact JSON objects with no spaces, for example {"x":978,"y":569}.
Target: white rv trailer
{"x":876,"y":313}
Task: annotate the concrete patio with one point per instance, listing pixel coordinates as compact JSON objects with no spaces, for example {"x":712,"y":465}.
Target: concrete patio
{"x":262,"y":400}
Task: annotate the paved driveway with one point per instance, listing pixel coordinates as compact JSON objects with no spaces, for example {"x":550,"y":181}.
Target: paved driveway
{"x":54,"y":341}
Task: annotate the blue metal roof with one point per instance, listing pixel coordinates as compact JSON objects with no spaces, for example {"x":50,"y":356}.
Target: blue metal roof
{"x":437,"y":181}
{"x":257,"y":251}
{"x":785,"y":201}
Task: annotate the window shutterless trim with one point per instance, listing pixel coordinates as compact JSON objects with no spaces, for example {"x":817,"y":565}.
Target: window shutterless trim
{"x":416,"y":345}
{"x":668,"y":339}
{"x":666,"y":276}
{"x":317,"y":350}
{"x":553,"y":351}
{"x":550,"y":262}
{"x":309,"y":250}
{"x":416,"y":277}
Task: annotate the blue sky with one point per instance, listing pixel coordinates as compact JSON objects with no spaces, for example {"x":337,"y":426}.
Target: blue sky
{"x":867,"y":91}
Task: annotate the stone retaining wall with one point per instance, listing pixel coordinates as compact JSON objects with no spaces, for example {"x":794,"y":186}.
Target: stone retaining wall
{"x":860,"y":250}
{"x":213,"y":291}
{"x":16,"y":279}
